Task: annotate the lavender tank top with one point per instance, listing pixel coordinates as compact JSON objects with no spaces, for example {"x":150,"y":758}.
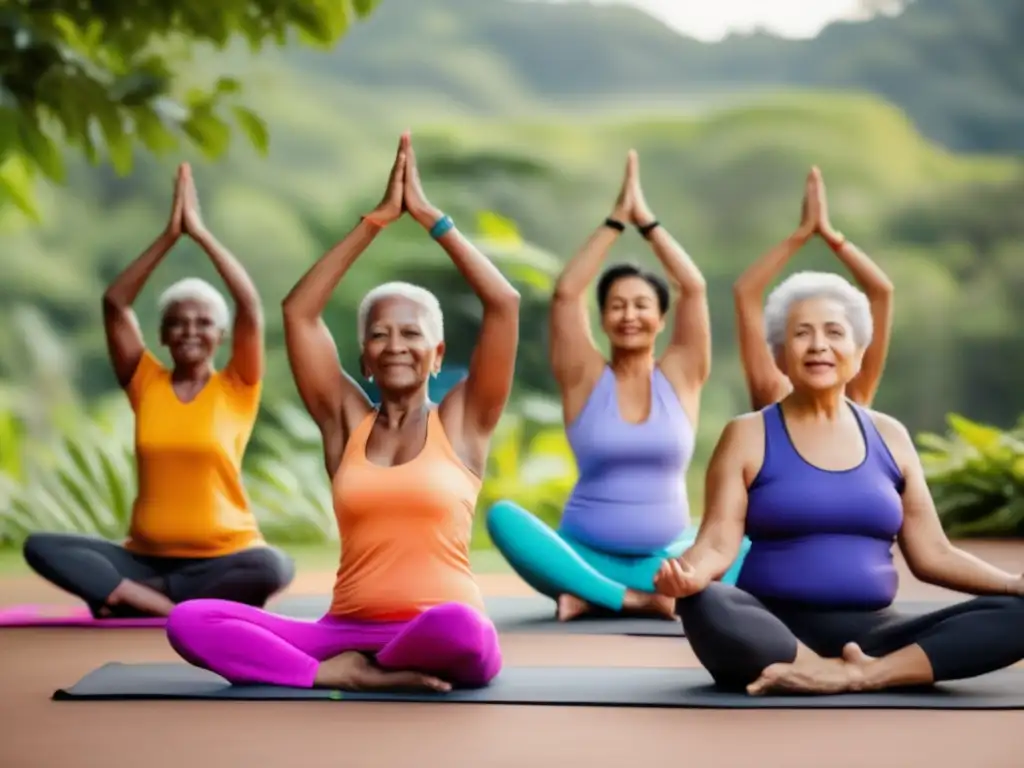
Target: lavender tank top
{"x":630,"y":498}
{"x":821,"y":537}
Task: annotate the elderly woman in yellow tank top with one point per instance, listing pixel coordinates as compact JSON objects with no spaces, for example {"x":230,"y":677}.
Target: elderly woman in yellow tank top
{"x":406,"y":610}
{"x":192,"y":531}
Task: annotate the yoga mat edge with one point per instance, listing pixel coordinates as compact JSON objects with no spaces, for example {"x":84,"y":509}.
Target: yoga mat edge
{"x":675,"y":688}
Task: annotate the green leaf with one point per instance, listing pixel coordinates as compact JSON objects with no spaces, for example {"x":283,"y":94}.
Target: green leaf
{"x":254,"y":128}
{"x":208,"y":132}
{"x":16,"y":182}
{"x":364,"y":8}
{"x":40,"y":148}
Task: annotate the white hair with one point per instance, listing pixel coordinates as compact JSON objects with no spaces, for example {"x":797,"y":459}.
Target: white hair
{"x":414,"y":293}
{"x":196,"y":289}
{"x":816,"y":285}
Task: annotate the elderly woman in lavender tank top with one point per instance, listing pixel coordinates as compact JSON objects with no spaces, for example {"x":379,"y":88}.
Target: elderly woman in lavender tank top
{"x":630,"y":420}
{"x":823,"y":488}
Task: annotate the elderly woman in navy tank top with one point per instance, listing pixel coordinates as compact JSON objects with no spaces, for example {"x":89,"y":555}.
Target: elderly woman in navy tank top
{"x":630,"y":421}
{"x":824,"y":488}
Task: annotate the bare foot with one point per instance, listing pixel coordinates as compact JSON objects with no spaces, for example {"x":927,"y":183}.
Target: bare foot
{"x":352,"y":671}
{"x":571,"y":607}
{"x":650,"y":604}
{"x":814,"y":676}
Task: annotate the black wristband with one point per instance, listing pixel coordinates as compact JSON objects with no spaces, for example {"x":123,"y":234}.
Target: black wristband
{"x":646,"y":229}
{"x":618,"y":226}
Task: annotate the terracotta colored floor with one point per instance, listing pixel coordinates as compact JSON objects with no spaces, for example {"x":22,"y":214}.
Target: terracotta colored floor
{"x":38,"y":733}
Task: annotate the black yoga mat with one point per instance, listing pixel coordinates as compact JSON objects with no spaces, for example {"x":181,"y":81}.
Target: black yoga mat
{"x":558,"y":686}
{"x":520,"y":615}
{"x":536,"y":615}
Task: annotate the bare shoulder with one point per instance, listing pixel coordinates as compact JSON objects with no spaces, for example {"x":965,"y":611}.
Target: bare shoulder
{"x":743,"y":436}
{"x":896,"y":436}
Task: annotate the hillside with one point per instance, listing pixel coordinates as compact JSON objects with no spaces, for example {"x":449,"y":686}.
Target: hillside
{"x":955,"y":66}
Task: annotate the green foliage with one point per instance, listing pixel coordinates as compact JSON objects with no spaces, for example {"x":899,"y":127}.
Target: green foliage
{"x":103,"y":79}
{"x":976,"y":474}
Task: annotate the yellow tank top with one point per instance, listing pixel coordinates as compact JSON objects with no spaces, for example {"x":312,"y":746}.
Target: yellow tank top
{"x":191,"y":501}
{"x":405,"y":530}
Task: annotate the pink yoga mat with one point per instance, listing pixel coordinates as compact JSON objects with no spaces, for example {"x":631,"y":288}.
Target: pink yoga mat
{"x":67,"y":616}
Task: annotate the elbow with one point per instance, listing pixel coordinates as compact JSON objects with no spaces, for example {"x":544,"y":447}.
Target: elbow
{"x":507,"y":301}
{"x":883,"y":290}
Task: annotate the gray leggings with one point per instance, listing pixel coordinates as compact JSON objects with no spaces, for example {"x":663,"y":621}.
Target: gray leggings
{"x":736,"y":636}
{"x":91,"y":568}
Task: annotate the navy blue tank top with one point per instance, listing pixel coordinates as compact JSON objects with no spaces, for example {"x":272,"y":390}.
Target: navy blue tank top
{"x":821,"y":537}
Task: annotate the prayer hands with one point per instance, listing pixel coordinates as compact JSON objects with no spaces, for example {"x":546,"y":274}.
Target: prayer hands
{"x":192,"y":221}
{"x":814,"y":214}
{"x":631,"y":206}
{"x":416,"y":202}
{"x":677,"y":578}
{"x":392,"y":205}
{"x":175,"y":222}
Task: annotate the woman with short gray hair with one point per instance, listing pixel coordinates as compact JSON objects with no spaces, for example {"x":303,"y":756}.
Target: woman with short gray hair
{"x":823,"y":488}
{"x":766,"y":384}
{"x":192,"y":532}
{"x":405,"y":473}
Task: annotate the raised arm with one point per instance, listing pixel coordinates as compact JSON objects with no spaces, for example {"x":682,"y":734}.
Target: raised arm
{"x":879,"y":290}
{"x":766,"y":384}
{"x":686,"y":361}
{"x":929,"y":553}
{"x":575,"y":360}
{"x":125,"y":344}
{"x":247,"y":334}
{"x":334,"y":399}
{"x":482,"y":396}
{"x":720,"y":536}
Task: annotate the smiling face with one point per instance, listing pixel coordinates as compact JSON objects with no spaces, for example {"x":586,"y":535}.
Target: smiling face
{"x":631,"y":315}
{"x":398,"y":351}
{"x":820,"y":351}
{"x":190,"y":332}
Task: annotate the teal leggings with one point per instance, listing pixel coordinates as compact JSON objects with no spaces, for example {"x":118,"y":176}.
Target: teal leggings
{"x":553,"y":564}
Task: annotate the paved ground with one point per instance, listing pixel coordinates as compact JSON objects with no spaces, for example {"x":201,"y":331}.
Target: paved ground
{"x":38,"y":733}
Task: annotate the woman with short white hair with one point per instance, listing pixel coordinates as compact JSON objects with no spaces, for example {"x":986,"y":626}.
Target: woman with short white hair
{"x":823,"y":488}
{"x":406,"y":473}
{"x":192,"y":532}
{"x":766,"y":384}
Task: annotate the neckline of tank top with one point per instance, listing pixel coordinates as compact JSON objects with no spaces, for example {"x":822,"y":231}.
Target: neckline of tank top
{"x":445,"y":446}
{"x":615,"y":406}
{"x":861,"y":426}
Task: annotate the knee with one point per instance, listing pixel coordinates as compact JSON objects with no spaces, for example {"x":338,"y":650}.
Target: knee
{"x":508,"y":524}
{"x":38,"y":550}
{"x":705,"y":611}
{"x":473,"y":637}
{"x":268,"y":570}
{"x":502,"y":514}
{"x":188,"y":622}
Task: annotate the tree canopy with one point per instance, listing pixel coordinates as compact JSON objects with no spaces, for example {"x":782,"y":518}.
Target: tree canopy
{"x":105,"y":80}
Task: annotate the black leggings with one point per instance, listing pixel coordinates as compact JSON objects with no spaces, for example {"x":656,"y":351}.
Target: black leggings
{"x":91,"y":568}
{"x":736,"y":636}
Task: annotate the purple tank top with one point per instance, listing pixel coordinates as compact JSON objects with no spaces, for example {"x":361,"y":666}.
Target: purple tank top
{"x":630,"y":498}
{"x":822,"y":537}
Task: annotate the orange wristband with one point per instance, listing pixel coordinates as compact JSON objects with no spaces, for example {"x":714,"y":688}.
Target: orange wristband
{"x":369,"y":219}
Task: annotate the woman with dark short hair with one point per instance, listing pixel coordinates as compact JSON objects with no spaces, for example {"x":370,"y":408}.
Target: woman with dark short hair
{"x":631,"y":422}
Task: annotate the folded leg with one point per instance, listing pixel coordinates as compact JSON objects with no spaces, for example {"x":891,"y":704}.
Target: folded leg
{"x":546,"y":562}
{"x":734,"y":635}
{"x":251,"y":576}
{"x":244,"y":644}
{"x":88,"y":567}
{"x":451,"y":641}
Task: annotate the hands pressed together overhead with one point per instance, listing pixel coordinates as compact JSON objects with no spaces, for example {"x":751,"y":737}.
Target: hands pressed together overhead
{"x":185,"y":215}
{"x":404,"y":193}
{"x":814,"y":219}
{"x":631,"y":206}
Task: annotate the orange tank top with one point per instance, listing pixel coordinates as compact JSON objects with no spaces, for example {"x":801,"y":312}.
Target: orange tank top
{"x":405,"y":530}
{"x":190,"y":500}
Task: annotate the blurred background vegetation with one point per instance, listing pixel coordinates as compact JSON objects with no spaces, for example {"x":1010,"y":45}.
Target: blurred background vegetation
{"x":521,"y":113}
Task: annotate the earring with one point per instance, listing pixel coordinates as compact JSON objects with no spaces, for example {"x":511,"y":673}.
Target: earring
{"x":370,"y":378}
{"x":433,"y":374}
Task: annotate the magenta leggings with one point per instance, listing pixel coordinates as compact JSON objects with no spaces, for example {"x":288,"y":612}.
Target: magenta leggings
{"x":248,"y":645}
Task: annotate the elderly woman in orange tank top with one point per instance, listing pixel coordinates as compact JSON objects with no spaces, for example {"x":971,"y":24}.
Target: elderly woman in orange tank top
{"x":192,"y":532}
{"x":406,"y":610}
